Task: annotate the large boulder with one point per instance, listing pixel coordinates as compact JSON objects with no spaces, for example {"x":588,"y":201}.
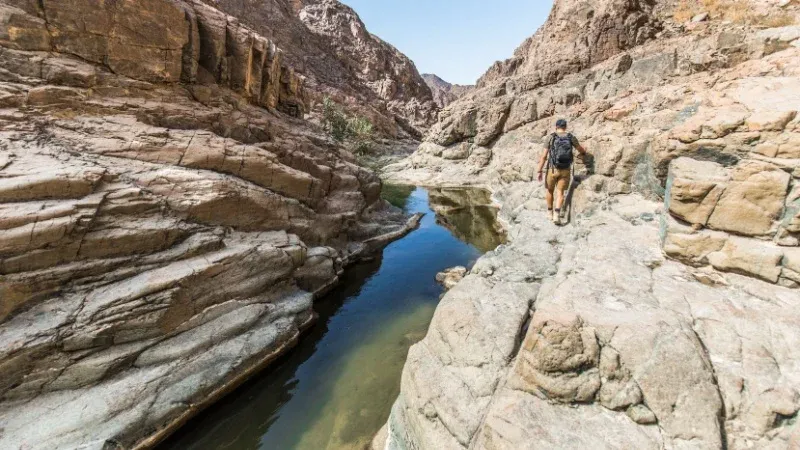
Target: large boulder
{"x":747,"y":199}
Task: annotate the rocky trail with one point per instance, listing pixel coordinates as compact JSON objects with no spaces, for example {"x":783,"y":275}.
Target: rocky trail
{"x":584,"y":334}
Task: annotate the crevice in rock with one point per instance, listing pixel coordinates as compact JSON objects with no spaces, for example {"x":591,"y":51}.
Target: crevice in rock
{"x":722,"y":415}
{"x":522,"y":332}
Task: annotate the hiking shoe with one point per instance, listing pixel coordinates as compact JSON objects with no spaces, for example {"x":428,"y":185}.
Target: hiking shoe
{"x":556,"y":219}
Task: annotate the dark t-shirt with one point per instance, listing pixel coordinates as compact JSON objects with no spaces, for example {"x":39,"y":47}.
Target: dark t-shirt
{"x":549,"y":140}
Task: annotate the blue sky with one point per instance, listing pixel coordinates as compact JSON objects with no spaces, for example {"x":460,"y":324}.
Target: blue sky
{"x":455,"y":39}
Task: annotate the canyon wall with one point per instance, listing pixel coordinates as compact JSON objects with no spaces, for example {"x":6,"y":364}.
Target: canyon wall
{"x":664,"y":315}
{"x":329,"y":45}
{"x":166,"y":216}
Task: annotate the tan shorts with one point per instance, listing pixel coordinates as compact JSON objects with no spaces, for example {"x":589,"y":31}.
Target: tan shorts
{"x":558,"y":178}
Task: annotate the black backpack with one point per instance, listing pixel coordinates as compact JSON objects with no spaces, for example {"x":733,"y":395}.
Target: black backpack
{"x":561,"y":151}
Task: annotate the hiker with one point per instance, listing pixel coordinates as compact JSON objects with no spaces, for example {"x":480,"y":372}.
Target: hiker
{"x":558,"y":156}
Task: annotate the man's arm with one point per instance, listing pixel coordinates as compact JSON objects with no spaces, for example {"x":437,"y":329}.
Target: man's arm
{"x":578,"y":146}
{"x":542,"y":160}
{"x":585,"y":157}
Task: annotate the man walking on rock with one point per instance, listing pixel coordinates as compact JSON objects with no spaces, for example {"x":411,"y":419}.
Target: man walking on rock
{"x":559,"y":158}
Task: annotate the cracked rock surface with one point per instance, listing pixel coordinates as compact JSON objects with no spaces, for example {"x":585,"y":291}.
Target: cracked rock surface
{"x":166,"y":216}
{"x":587,"y":334}
{"x":664,"y":314}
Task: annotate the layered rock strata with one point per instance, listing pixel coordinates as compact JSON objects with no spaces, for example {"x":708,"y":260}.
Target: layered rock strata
{"x":166,"y":218}
{"x":663,"y":315}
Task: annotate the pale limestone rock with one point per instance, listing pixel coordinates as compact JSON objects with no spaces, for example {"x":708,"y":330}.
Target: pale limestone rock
{"x":560,"y":362}
{"x":453,"y":372}
{"x":694,"y":189}
{"x":791,"y":259}
{"x":691,"y":357}
{"x":710,"y":124}
{"x":752,"y":257}
{"x":450,"y":277}
{"x":641,"y":415}
{"x":745,"y":200}
{"x":646,"y":350}
{"x":774,"y":40}
{"x":523,"y":111}
{"x":454,"y":126}
{"x":786,"y":145}
{"x":537,"y":424}
{"x":776,"y":93}
{"x":458,"y":152}
{"x":154,"y":236}
{"x":770,"y":120}
{"x":752,"y":201}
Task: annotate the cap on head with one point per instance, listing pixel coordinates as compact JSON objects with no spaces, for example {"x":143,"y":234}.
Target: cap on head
{"x":561,"y":123}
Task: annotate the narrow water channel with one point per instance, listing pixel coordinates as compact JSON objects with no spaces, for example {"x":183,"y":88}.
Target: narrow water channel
{"x":336,"y":388}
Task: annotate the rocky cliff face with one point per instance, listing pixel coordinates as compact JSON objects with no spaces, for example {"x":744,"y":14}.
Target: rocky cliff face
{"x":327,"y":43}
{"x":578,"y":35}
{"x":444,"y":93}
{"x":388,"y":73}
{"x":662,"y":316}
{"x":166,"y":217}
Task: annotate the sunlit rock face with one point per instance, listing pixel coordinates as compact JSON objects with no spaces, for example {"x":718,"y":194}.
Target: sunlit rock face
{"x":327,"y":43}
{"x":166,"y":216}
{"x":661,"y":315}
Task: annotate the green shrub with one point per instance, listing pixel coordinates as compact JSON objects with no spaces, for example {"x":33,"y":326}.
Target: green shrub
{"x":356,"y":132}
{"x":335,"y":120}
{"x":360,"y":131}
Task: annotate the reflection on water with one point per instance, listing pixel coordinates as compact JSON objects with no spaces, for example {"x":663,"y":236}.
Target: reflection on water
{"x":335,"y":390}
{"x":469,"y":214}
{"x":397,"y":194}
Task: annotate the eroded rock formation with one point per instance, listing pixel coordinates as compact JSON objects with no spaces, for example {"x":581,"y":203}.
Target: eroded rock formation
{"x":329,"y":45}
{"x":166,"y":216}
{"x":387,"y":72}
{"x":664,"y":315}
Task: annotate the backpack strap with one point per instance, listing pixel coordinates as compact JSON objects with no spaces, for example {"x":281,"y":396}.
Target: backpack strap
{"x":550,"y":148}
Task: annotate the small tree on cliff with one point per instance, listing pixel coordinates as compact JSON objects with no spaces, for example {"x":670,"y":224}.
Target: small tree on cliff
{"x":334,"y":120}
{"x":356,"y":132}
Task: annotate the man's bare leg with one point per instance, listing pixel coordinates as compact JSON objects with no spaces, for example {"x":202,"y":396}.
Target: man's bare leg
{"x":549,"y":198}
{"x":561,"y":186}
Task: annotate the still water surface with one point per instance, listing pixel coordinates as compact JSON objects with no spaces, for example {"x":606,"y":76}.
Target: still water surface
{"x":336,"y":388}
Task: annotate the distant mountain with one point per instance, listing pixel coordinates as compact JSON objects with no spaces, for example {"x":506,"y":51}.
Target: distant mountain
{"x":444,"y":93}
